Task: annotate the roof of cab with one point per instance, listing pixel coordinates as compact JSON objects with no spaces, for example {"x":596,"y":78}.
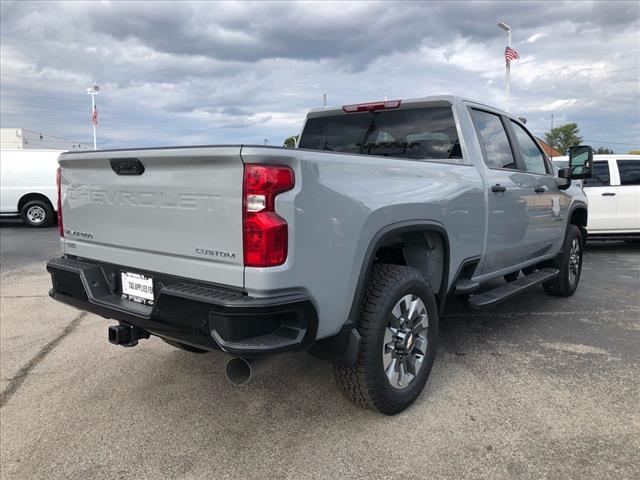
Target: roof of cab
{"x":410,"y":102}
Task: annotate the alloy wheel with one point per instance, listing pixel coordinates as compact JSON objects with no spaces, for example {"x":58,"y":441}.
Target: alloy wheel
{"x":574,"y":260}
{"x":405,"y":341}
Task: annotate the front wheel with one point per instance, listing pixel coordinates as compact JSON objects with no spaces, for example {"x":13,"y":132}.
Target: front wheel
{"x":569,"y":264}
{"x":399,"y":330}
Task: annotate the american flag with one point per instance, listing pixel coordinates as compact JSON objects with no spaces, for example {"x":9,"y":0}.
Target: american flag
{"x":510,"y":54}
{"x":94,"y":116}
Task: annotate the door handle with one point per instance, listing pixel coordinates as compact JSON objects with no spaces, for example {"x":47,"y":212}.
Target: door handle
{"x":498,"y":188}
{"x":540,"y":189}
{"x":608,"y":194}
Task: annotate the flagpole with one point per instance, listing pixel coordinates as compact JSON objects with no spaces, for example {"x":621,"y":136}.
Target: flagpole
{"x":507,"y":79}
{"x":93,"y":90}
{"x":93,"y":109}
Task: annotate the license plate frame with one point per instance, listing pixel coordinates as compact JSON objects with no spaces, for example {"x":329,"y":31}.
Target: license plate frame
{"x":137,"y":288}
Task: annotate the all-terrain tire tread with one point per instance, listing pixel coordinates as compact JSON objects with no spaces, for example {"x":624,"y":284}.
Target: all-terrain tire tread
{"x":357,"y":381}
{"x":559,"y":285}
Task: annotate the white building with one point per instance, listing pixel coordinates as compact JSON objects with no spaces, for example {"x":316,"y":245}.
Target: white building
{"x":21,"y":138}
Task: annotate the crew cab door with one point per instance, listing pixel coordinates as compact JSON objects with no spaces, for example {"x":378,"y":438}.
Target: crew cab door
{"x":546,"y":203}
{"x":628,"y":194}
{"x":603,"y":198}
{"x":508,"y":221}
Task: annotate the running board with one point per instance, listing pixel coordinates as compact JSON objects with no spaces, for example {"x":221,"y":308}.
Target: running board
{"x":465,"y":286}
{"x":508,"y":290}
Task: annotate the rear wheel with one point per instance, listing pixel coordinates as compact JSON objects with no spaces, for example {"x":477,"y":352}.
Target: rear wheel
{"x":569,"y":264}
{"x":37,"y":213}
{"x":399,"y":330}
{"x":184,"y":346}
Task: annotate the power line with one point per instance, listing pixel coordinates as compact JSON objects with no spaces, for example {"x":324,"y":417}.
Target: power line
{"x":597,"y":141}
{"x":610,"y":143}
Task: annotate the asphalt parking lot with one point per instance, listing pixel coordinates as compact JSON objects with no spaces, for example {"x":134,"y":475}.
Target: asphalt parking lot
{"x":540,"y":387}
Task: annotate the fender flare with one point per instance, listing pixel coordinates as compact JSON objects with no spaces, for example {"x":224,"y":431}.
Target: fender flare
{"x":344,"y":347}
{"x":573,"y":209}
{"x":577,"y":206}
{"x":378,"y":240}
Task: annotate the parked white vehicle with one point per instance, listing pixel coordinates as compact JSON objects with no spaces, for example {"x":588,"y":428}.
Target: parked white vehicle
{"x":614,"y":196}
{"x":28,"y":185}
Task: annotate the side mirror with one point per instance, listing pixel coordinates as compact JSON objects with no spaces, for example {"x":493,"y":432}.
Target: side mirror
{"x":580,"y":162}
{"x":563,"y":181}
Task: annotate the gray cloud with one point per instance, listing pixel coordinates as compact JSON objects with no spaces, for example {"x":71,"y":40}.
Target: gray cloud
{"x":241,"y":72}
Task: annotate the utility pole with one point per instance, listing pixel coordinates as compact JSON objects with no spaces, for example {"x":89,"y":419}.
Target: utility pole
{"x":507,"y":80}
{"x":93,"y":91}
{"x":551,"y":133}
{"x":324,"y":99}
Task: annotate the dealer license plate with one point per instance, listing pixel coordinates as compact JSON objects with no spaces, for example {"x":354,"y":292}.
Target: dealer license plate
{"x":137,"y":288}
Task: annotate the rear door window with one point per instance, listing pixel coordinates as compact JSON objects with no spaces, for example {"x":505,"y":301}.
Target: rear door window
{"x":418,"y":133}
{"x":629,"y":172}
{"x":494,"y":139}
{"x":601,"y":176}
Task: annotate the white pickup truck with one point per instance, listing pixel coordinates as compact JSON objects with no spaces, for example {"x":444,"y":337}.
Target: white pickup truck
{"x":614,"y":196}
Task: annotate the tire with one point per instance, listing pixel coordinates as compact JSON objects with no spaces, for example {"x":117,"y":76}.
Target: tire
{"x":184,"y":346}
{"x":37,"y":214}
{"x":569,"y":262}
{"x":366,"y":383}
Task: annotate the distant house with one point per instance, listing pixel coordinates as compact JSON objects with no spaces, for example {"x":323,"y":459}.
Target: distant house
{"x":548,"y":149}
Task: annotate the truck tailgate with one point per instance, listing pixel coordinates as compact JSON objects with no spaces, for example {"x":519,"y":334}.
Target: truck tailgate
{"x":182,"y":215}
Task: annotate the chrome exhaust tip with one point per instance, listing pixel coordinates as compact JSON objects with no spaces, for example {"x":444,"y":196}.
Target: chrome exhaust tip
{"x":238,"y":371}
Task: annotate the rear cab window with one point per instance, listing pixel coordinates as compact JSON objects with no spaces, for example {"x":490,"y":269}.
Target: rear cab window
{"x":494,"y":140}
{"x":629,"y":172}
{"x":424,"y":133}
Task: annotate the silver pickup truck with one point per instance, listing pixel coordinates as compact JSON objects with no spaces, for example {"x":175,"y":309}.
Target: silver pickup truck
{"x":346,"y":246}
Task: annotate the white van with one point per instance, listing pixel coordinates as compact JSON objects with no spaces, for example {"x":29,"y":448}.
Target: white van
{"x":28,"y":185}
{"x":614,"y":196}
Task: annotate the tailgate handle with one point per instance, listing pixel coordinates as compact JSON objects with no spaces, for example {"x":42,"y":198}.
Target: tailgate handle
{"x":127,"y":166}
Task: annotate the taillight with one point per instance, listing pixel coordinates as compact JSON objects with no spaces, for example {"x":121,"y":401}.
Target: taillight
{"x":371,"y":107}
{"x":58,"y":181}
{"x":265,"y":233}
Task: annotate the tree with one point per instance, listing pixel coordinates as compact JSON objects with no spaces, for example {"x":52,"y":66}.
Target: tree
{"x":604,"y":151}
{"x":291,"y":142}
{"x":563,"y":137}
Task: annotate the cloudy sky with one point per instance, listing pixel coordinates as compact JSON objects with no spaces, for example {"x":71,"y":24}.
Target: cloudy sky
{"x":211,"y":72}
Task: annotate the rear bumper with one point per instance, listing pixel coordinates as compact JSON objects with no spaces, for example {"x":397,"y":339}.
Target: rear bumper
{"x":189,"y":312}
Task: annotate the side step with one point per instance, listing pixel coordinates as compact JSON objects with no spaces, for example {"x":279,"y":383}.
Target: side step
{"x":504,"y":292}
{"x":465,"y":286}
